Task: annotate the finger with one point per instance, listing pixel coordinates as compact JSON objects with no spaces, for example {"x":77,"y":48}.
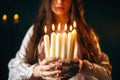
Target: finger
{"x":51,"y":78}
{"x":49,"y":67}
{"x":50,"y":73}
{"x":48,"y":60}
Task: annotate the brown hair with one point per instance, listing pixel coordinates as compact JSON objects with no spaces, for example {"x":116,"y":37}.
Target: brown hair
{"x":85,"y":37}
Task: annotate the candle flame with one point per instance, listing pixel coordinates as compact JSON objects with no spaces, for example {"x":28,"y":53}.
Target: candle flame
{"x":74,"y":24}
{"x":59,"y":26}
{"x":71,"y":28}
{"x":45,"y":29}
{"x":65,"y":27}
{"x":53,"y":27}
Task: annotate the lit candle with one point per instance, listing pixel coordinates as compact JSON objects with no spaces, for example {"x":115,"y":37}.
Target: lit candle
{"x":64,"y":44}
{"x":58,"y":43}
{"x":70,"y":45}
{"x":53,"y":42}
{"x":46,"y":43}
{"x":74,"y":33}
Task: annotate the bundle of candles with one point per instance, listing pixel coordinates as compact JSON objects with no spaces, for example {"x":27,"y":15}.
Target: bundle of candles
{"x":61,"y":45}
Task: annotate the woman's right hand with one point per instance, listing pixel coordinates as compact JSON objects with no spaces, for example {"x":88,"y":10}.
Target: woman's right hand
{"x":46,"y":70}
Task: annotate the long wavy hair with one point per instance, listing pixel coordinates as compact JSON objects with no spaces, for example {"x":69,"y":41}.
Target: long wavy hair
{"x":87,"y":39}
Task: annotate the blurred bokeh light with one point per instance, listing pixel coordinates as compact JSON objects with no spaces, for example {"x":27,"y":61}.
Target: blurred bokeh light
{"x":4,"y":17}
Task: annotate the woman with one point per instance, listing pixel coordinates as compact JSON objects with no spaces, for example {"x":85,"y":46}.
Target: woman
{"x":90,"y":62}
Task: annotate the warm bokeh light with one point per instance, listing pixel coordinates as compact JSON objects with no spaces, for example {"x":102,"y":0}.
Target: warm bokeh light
{"x":16,"y":16}
{"x":4,"y":17}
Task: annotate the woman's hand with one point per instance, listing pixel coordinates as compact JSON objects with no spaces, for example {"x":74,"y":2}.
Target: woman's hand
{"x":69,"y":68}
{"x":46,"y":70}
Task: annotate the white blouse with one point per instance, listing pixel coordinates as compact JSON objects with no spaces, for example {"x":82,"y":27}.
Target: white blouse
{"x":18,"y":69}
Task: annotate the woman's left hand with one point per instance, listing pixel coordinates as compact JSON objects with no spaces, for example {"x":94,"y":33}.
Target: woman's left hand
{"x":69,"y":68}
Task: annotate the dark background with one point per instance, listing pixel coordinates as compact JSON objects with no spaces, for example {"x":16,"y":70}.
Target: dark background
{"x":102,"y":15}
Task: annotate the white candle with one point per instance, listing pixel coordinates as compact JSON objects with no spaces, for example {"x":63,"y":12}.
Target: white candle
{"x":46,"y":43}
{"x":53,"y":42}
{"x":74,"y":35}
{"x":64,"y":43}
{"x":64,"y":46}
{"x":69,"y":46}
{"x":74,"y":32}
{"x":58,"y":43}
